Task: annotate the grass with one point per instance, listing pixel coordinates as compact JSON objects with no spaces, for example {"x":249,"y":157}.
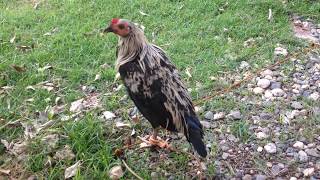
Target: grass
{"x":206,"y":36}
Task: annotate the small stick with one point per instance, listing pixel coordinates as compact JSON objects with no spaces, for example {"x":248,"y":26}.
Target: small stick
{"x":130,"y":170}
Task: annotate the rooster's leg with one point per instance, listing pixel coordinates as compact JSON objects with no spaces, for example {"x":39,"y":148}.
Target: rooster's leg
{"x":157,"y":141}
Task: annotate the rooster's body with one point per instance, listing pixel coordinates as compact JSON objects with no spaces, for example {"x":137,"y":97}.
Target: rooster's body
{"x":154,"y":85}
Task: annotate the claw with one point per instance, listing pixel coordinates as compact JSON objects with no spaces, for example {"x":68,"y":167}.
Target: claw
{"x":158,"y":142}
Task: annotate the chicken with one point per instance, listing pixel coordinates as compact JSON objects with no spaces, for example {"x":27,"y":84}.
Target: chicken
{"x":154,"y":85}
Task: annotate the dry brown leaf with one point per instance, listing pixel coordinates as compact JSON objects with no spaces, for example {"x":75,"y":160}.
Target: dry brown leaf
{"x":116,"y":172}
{"x":12,"y":40}
{"x":53,"y":31}
{"x":280,"y":51}
{"x":51,"y":140}
{"x":108,"y":115}
{"x":72,"y":170}
{"x":188,"y":72}
{"x":45,"y":68}
{"x":30,"y":88}
{"x":143,"y":14}
{"x":23,"y":47}
{"x":98,"y":77}
{"x":18,"y":68}
{"x":122,"y":125}
{"x":64,"y":154}
{"x":5,"y":171}
{"x":90,"y":102}
{"x":77,"y":105}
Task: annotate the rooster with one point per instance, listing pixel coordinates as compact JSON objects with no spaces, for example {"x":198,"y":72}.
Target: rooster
{"x":154,"y":85}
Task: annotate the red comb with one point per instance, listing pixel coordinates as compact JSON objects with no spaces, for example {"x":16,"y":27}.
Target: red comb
{"x":115,"y":20}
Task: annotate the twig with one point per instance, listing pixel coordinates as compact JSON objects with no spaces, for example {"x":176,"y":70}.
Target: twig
{"x":130,"y":170}
{"x":9,"y":123}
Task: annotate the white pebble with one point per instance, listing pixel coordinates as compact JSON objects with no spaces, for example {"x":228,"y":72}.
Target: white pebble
{"x":263,"y":83}
{"x":298,"y":145}
{"x":270,"y":148}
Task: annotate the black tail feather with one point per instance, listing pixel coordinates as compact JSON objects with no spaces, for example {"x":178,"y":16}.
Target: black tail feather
{"x":195,"y":135}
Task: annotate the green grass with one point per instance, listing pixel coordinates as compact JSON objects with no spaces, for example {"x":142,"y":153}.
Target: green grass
{"x":207,"y":36}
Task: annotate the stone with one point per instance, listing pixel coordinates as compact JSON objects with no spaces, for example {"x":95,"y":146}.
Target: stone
{"x":293,"y":178}
{"x":298,"y":145}
{"x":277,"y":92}
{"x":263,"y":83}
{"x":247,"y":177}
{"x":306,"y":93}
{"x":244,"y":65}
{"x":205,"y":124}
{"x":295,"y":91}
{"x":260,"y":149}
{"x":308,"y":172}
{"x":265,"y":116}
{"x":261,"y":177}
{"x":154,"y":176}
{"x":267,"y":72}
{"x":235,"y":115}
{"x":268,"y":94}
{"x":225,"y":155}
{"x":303,"y":157}
{"x":313,"y":152}
{"x":258,"y":90}
{"x":219,"y":115}
{"x":275,"y":85}
{"x":276,"y":169}
{"x":270,"y":148}
{"x":314,"y":96}
{"x":296,"y":105}
{"x":261,"y":135}
{"x":209,"y":115}
{"x":280,"y":51}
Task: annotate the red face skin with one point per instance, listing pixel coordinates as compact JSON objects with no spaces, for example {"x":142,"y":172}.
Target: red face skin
{"x":119,"y":27}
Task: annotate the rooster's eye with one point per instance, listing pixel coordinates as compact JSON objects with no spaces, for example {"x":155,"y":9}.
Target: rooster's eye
{"x":121,"y":26}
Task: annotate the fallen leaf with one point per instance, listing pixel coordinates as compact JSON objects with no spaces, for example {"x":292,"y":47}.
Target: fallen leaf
{"x":90,"y":102}
{"x":117,"y":77}
{"x":51,"y":140}
{"x":121,"y":124}
{"x":46,"y":85}
{"x":12,"y":40}
{"x":133,"y":132}
{"x":54,"y":30}
{"x":5,"y":171}
{"x":23,"y":47}
{"x":135,"y":119}
{"x":118,"y":88}
{"x":72,"y":170}
{"x":188,"y":72}
{"x":144,"y":145}
{"x":36,"y":5}
{"x":270,"y":15}
{"x":64,"y":154}
{"x":18,"y":68}
{"x":30,"y":100}
{"x":45,"y":68}
{"x":77,"y":105}
{"x":143,"y":14}
{"x":280,"y":51}
{"x":116,"y":172}
{"x":108,"y":115}
{"x":30,"y":88}
{"x":98,"y":77}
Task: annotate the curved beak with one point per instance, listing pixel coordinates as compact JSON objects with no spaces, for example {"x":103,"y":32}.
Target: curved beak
{"x":108,"y":29}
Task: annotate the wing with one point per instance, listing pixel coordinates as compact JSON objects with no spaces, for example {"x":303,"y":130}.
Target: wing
{"x":177,"y":99}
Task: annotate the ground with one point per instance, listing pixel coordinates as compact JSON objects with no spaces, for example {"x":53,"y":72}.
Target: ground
{"x":61,"y":104}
